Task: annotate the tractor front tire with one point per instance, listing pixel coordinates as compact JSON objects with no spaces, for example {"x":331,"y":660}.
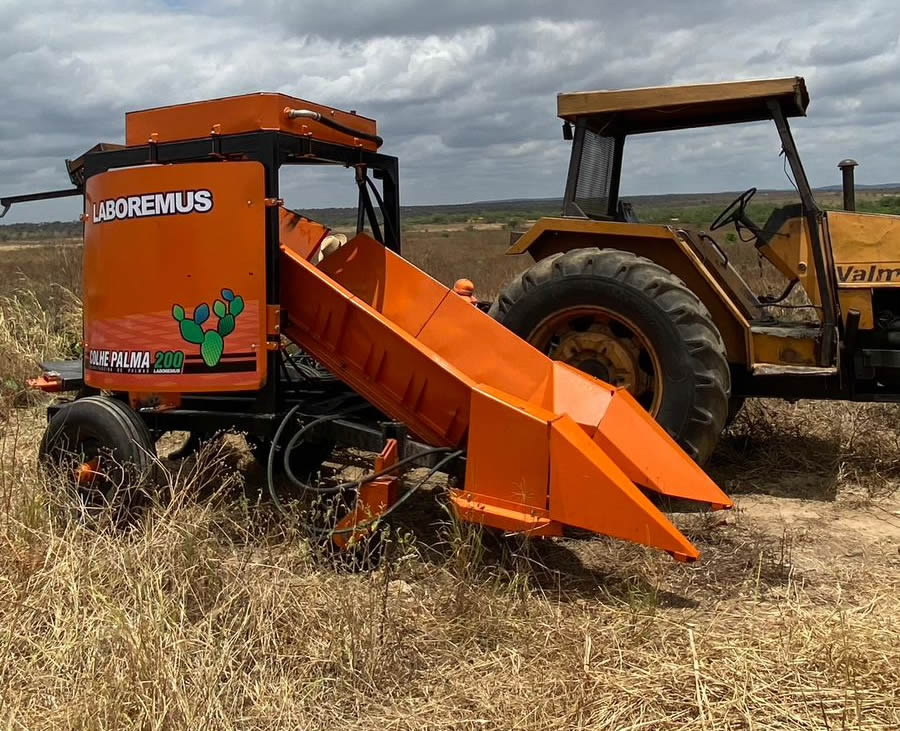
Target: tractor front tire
{"x":645,"y":315}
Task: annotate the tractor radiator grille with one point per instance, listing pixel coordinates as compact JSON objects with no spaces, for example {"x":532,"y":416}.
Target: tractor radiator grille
{"x":594,"y":174}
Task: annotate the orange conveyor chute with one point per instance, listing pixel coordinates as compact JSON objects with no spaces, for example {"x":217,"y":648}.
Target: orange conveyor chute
{"x":547,"y":446}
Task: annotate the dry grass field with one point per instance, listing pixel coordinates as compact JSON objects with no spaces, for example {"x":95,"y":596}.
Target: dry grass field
{"x":215,"y":612}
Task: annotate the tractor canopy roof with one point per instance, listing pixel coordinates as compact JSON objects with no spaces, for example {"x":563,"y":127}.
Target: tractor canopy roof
{"x":663,"y":108}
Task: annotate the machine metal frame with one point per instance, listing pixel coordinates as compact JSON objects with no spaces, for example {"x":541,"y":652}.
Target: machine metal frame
{"x":256,"y":412}
{"x":383,"y":350}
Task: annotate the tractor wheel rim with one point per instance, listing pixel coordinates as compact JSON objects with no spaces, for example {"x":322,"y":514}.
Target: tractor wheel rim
{"x":605,"y":345}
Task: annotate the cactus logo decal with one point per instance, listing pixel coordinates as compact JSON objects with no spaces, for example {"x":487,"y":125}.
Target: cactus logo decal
{"x":218,"y":347}
{"x":212,"y":339}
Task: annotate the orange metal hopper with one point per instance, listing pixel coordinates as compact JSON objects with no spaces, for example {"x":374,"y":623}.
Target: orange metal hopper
{"x":547,"y":446}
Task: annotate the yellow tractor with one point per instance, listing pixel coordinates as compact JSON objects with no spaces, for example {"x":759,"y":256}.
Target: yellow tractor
{"x":663,"y":312}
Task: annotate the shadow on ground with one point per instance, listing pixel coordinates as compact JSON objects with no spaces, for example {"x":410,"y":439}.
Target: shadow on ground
{"x":779,"y":464}
{"x":587,"y":568}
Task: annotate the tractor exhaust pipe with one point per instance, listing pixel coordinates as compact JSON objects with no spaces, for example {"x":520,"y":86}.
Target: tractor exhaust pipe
{"x":846,"y":167}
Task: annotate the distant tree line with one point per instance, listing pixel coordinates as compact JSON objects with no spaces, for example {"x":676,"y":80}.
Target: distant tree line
{"x":40,"y":231}
{"x":685,"y":209}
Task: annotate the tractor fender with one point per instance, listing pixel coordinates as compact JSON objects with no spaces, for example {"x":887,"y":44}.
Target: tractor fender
{"x":662,"y":245}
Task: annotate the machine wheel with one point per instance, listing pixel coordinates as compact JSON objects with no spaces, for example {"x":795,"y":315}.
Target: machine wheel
{"x":632,"y":323}
{"x":103,"y":452}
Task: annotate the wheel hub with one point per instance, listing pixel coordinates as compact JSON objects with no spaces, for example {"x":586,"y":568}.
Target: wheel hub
{"x":598,"y":352}
{"x":87,"y":472}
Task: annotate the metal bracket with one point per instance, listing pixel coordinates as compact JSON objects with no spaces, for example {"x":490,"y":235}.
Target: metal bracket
{"x":374,"y":499}
{"x":8,"y":201}
{"x":273,"y":320}
{"x":395,"y":431}
{"x":273,"y":327}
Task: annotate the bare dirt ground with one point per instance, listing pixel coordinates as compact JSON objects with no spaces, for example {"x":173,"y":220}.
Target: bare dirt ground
{"x":840,"y":529}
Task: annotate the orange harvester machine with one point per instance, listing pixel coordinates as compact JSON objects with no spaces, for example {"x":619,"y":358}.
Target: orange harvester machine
{"x":195,"y":273}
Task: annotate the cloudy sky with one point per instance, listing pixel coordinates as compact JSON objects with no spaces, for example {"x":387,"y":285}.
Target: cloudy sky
{"x":463,"y":90}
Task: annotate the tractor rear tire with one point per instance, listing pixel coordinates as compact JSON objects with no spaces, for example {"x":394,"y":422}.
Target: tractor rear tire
{"x":656,"y":309}
{"x":102,"y":451}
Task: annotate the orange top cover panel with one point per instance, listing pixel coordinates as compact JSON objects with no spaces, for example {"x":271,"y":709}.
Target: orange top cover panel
{"x":175,"y":278}
{"x":237,"y":114}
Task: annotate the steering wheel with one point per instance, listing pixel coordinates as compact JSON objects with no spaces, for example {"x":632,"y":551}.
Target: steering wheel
{"x":736,"y":212}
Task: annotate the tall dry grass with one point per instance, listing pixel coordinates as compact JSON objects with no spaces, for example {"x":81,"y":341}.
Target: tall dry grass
{"x":476,"y":255}
{"x":215,"y":611}
{"x":811,"y":450}
{"x":40,"y":314}
{"x":212,"y":613}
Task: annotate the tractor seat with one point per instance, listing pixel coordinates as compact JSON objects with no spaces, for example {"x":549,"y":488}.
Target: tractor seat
{"x":776,"y":221}
{"x":625,"y":212}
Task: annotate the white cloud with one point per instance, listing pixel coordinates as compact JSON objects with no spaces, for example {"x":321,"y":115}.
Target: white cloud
{"x":464,"y":91}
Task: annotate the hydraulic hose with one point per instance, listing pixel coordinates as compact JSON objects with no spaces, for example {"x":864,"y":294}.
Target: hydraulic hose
{"x":270,"y":462}
{"x":351,"y":484}
{"x":328,"y":122}
{"x":335,"y":489}
{"x":402,"y":499}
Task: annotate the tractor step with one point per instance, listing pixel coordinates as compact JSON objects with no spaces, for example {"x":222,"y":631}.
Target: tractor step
{"x":774,"y":369}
